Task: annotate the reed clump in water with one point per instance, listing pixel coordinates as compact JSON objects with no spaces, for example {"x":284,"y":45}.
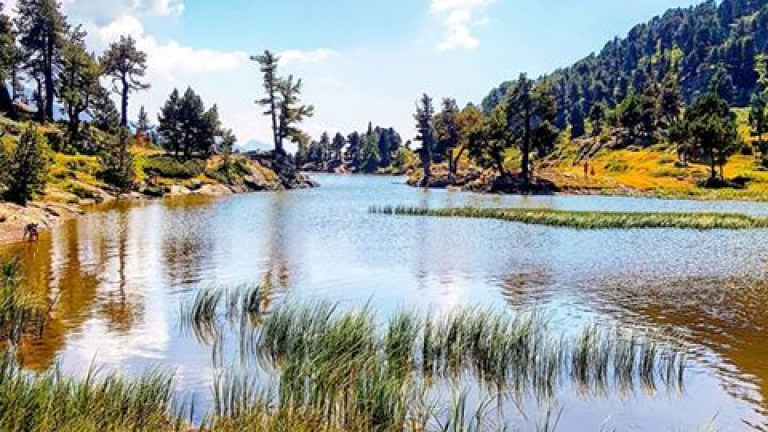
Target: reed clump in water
{"x":212,"y":307}
{"x":589,"y":220}
{"x":19,"y":315}
{"x":52,"y":402}
{"x":358,"y":373}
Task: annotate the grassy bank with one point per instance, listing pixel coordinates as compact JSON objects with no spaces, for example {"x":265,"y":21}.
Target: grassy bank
{"x":590,"y":220}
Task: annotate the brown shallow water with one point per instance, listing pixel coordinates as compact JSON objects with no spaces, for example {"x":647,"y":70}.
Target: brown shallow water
{"x":117,"y":276}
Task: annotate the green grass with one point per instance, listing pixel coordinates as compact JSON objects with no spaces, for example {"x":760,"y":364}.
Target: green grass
{"x":340,"y":370}
{"x":52,"y":402}
{"x":590,"y":220}
{"x":19,"y":315}
{"x":170,"y":167}
{"x":351,"y":370}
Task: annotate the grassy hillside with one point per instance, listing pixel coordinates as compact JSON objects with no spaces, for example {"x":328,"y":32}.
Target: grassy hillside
{"x":77,"y":178}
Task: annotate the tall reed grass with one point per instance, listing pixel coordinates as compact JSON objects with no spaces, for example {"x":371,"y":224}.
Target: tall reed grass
{"x":53,"y":402}
{"x":589,"y":220}
{"x":19,"y":315}
{"x":350,"y":370}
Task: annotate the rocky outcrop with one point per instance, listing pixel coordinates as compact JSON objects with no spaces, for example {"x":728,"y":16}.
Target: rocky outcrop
{"x":15,"y":218}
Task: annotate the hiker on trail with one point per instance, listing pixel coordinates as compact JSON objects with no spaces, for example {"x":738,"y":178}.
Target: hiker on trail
{"x":32,"y":233}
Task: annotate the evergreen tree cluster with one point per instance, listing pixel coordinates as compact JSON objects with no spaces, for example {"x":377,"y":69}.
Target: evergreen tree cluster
{"x":375,"y":150}
{"x":524,"y":118}
{"x":46,"y":65}
{"x":186,"y":127}
{"x":689,"y":51}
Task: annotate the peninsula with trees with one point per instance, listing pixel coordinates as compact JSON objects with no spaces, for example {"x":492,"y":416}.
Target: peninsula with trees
{"x":67,"y":143}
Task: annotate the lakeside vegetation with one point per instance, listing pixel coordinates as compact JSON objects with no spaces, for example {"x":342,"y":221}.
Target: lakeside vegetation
{"x":690,"y":86}
{"x":339,"y":370}
{"x":64,"y":139}
{"x":590,"y":220}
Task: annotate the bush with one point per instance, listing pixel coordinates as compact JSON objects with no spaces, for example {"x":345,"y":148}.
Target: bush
{"x":117,"y":161}
{"x":233,"y":174}
{"x":169,"y":167}
{"x":669,"y":172}
{"x":617,"y":166}
{"x":27,"y":167}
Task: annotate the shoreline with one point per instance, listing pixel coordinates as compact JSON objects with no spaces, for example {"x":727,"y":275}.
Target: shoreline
{"x":48,"y":214}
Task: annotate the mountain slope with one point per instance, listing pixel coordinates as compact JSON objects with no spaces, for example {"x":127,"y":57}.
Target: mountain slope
{"x":724,"y":43}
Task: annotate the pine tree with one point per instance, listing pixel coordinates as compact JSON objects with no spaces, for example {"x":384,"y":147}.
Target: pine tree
{"x":186,"y":127}
{"x":630,"y":115}
{"x":104,"y":111}
{"x":8,"y":63}
{"x":169,"y":127}
{"x":531,"y":112}
{"x":117,"y":161}
{"x":338,"y":146}
{"x":143,"y":124}
{"x":371,"y":155}
{"x":758,"y":119}
{"x":448,"y":133}
{"x":291,"y":111}
{"x":597,"y":117}
{"x":27,"y":167}
{"x":268,"y":63}
{"x":79,"y":80}
{"x":42,"y":28}
{"x":489,"y":140}
{"x":424,"y":116}
{"x":712,"y":127}
{"x":228,"y":141}
{"x":126,"y":65}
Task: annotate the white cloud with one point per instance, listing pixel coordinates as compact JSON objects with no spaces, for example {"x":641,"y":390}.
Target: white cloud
{"x":103,"y":12}
{"x":314,"y":56}
{"x":459,"y":18}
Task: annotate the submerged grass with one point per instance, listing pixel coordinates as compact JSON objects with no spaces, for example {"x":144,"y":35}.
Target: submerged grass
{"x":19,"y":315}
{"x":350,"y":370}
{"x":589,"y":220}
{"x":335,"y":370}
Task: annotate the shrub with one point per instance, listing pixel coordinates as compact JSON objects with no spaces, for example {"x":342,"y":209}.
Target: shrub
{"x":617,"y":166}
{"x":166,"y":166}
{"x":117,"y":161}
{"x":669,"y":172}
{"x":27,"y":167}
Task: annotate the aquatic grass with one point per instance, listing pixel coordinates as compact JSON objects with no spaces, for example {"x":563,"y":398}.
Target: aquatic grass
{"x":589,"y":220}
{"x":51,"y":401}
{"x":346,"y":369}
{"x":213,"y":306}
{"x":19,"y":315}
{"x":328,"y":359}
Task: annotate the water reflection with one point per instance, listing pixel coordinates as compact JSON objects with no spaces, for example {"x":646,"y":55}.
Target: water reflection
{"x":115,"y":279}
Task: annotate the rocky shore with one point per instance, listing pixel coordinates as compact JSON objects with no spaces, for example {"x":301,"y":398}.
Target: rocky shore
{"x":58,"y":206}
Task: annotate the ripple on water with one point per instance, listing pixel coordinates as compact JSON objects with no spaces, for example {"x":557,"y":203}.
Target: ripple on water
{"x":119,"y":275}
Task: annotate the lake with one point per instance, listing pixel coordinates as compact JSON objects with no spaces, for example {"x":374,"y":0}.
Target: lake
{"x":117,"y":276}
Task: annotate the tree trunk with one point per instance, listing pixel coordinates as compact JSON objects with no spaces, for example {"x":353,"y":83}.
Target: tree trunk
{"x":427,"y":179}
{"x":124,"y":104}
{"x":499,"y":159}
{"x":526,"y":156}
{"x":50,"y":84}
{"x":455,"y":162}
{"x":712,"y":165}
{"x":6,"y":103}
{"x":39,"y":101}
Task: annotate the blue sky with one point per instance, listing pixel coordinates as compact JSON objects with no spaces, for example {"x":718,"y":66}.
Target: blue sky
{"x":361,"y":60}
